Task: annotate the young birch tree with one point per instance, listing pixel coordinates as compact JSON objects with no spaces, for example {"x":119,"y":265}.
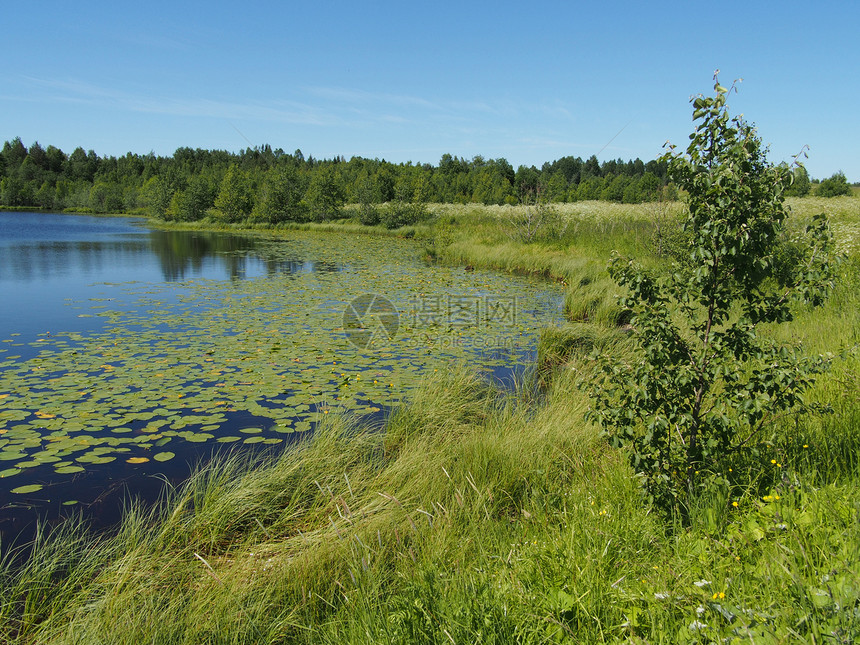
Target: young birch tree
{"x":706,"y":382}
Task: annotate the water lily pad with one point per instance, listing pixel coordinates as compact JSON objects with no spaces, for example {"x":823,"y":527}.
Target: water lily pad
{"x":68,"y":470}
{"x":198,"y":437}
{"x":137,"y":460}
{"x":29,"y":488}
{"x":9,"y":455}
{"x":91,"y":458}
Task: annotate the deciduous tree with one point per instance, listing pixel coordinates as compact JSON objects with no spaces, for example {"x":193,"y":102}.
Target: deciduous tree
{"x":706,"y":382}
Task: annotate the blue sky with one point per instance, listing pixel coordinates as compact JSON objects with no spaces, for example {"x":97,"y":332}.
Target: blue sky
{"x":404,"y":81}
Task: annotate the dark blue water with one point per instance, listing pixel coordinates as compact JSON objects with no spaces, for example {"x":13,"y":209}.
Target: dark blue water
{"x":51,"y":265}
{"x":48,"y":260}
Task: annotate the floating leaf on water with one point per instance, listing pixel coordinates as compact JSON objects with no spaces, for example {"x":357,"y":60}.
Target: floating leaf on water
{"x":198,"y":437}
{"x":68,"y":470}
{"x":29,"y":488}
{"x":91,"y":458}
{"x":137,"y":460}
{"x":70,"y":502}
{"x":9,"y":472}
{"x":251,"y":430}
{"x":227,"y":439}
{"x":163,"y":456}
{"x":46,"y":457}
{"x":256,"y":439}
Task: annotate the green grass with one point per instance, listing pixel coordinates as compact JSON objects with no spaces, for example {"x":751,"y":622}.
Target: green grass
{"x":345,"y":225}
{"x":485,"y":516}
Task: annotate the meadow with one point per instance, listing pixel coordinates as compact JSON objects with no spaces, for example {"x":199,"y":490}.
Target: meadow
{"x":482,"y":515}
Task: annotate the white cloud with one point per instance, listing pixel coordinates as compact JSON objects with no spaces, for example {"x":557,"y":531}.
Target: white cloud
{"x":82,"y":92}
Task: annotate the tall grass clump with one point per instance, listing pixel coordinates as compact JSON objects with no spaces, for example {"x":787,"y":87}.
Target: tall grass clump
{"x":269,"y":550}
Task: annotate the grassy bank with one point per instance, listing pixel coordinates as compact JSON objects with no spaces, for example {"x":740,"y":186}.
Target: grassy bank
{"x":487,"y":516}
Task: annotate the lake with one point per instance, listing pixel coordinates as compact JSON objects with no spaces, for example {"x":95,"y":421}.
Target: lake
{"x":128,"y":354}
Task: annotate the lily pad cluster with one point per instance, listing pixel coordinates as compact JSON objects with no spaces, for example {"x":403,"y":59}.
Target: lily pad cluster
{"x":251,"y":361}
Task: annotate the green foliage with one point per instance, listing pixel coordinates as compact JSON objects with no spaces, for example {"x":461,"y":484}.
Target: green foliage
{"x":800,"y":184}
{"x":368,"y":214}
{"x":557,"y":346}
{"x":325,"y":196}
{"x":15,"y":192}
{"x":281,"y":198}
{"x":614,"y":189}
{"x":191,"y":204}
{"x":42,"y":177}
{"x":491,"y":181}
{"x":235,"y":197}
{"x":706,"y":383}
{"x":835,"y":186}
{"x":409,"y":205}
{"x":106,"y":197}
{"x":14,"y":152}
{"x":401,"y":213}
{"x":539,"y":221}
{"x":589,"y":189}
{"x":157,"y":194}
{"x":668,"y":238}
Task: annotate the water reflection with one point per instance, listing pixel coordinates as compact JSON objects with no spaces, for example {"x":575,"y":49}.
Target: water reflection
{"x":179,"y":255}
{"x":49,"y":259}
{"x":184,"y":254}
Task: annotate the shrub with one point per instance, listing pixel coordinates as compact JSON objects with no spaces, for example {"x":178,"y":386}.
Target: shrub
{"x":835,"y":186}
{"x":536,"y":222}
{"x":705,"y":384}
{"x":402,"y":213}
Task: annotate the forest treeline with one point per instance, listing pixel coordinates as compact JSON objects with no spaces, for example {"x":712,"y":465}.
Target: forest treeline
{"x":270,"y":186}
